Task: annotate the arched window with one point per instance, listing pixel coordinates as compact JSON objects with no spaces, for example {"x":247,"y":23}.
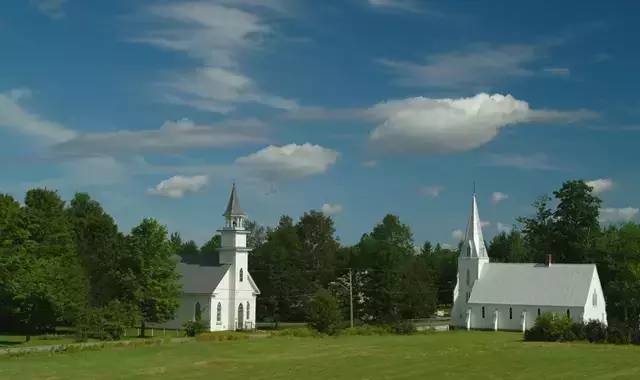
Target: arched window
{"x":468,"y":250}
{"x":248,"y":309}
{"x":568,"y":313}
{"x":219,"y":313}
{"x":468,"y":277}
{"x":197,"y":313}
{"x":510,"y":313}
{"x":595,"y":298}
{"x":241,"y":275}
{"x":483,"y":312}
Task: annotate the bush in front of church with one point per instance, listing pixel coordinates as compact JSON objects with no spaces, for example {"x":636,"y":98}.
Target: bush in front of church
{"x":193,"y":328}
{"x":597,"y":332}
{"x":324,"y":312}
{"x":551,"y":327}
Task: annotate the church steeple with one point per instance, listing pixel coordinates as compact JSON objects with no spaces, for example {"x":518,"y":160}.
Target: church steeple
{"x":234,"y":215}
{"x":473,"y":244}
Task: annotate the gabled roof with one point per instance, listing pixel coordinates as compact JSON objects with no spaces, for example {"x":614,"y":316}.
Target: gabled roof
{"x":201,"y":279}
{"x":473,"y":244}
{"x":533,"y":284}
{"x":256,"y":290}
{"x":233,"y":207}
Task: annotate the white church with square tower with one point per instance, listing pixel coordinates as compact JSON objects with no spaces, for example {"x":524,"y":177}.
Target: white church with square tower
{"x":505,"y":296}
{"x":222,"y":293}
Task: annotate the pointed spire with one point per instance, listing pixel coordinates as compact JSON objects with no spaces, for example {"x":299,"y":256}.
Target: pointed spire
{"x":473,"y":245}
{"x":233,"y":207}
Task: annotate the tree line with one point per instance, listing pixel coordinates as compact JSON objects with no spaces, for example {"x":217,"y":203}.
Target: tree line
{"x":68,"y":264}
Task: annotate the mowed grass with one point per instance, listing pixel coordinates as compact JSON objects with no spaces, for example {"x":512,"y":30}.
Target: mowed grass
{"x":448,"y":355}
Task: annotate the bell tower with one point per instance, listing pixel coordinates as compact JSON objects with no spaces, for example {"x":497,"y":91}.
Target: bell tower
{"x":233,"y":249}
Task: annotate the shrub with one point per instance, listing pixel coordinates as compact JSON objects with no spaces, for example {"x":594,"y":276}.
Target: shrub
{"x":404,"y":328}
{"x":221,"y":336}
{"x":368,"y":330}
{"x":300,"y":332}
{"x":595,"y":331}
{"x":324,"y":313}
{"x":193,"y":328}
{"x":553,"y":327}
{"x":105,"y":323}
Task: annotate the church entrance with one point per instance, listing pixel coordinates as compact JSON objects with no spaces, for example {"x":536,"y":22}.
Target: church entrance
{"x":240,"y":317}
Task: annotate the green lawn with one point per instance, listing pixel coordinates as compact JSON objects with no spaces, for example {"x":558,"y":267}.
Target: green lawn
{"x":453,"y":355}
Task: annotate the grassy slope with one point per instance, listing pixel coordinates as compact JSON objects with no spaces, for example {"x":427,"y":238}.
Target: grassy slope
{"x":456,"y":355}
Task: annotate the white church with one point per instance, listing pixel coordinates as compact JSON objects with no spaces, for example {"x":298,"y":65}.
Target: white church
{"x":502,"y":296}
{"x":223,"y":294}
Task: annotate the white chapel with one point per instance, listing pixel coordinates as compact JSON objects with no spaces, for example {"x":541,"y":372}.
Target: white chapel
{"x":501,"y":296}
{"x":223,"y":293}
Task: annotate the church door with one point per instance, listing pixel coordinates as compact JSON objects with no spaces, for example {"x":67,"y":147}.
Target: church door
{"x":240,"y":317}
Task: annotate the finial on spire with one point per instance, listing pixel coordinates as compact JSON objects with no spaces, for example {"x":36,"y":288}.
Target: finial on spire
{"x":233,"y":207}
{"x":474,"y":186}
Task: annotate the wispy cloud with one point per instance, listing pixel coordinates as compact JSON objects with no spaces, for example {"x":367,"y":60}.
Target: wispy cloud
{"x":15,"y":117}
{"x":178,"y":186}
{"x":457,"y":235}
{"x":558,"y":71}
{"x":432,"y":191}
{"x":331,"y":209}
{"x":171,"y":137}
{"x":398,"y":5}
{"x":51,"y":8}
{"x":498,"y":197}
{"x":617,"y":215}
{"x":536,"y":161}
{"x":502,"y":227}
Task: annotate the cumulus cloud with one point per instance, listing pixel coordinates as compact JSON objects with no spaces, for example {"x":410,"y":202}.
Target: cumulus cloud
{"x":178,"y":186}
{"x":171,"y":137}
{"x":501,"y":227}
{"x":485,"y":223}
{"x":15,"y":117}
{"x":215,"y":34}
{"x":617,"y":215}
{"x":600,"y":185}
{"x":289,"y":161}
{"x":457,"y":235}
{"x":51,"y":8}
{"x":498,"y":197}
{"x":432,"y":191}
{"x":331,"y":209}
{"x":440,"y":126}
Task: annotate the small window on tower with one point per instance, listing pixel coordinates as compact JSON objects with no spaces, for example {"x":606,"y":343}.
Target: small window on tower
{"x":241,"y":275}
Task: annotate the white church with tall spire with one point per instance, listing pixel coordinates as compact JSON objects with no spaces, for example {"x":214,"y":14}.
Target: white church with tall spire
{"x":222,"y":293}
{"x":506,"y":296}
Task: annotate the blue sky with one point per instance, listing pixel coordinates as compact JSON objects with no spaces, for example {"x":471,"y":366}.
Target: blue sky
{"x":357,"y":107}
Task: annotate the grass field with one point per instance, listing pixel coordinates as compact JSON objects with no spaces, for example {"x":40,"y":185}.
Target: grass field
{"x":453,"y":355}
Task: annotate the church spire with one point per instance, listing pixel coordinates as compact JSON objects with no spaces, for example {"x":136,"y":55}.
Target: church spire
{"x":233,"y":207}
{"x":473,"y":245}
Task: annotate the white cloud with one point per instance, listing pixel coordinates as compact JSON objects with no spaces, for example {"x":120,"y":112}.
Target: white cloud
{"x":558,"y":71}
{"x":432,"y":191}
{"x":498,"y":197}
{"x":617,"y":215}
{"x":215,"y":34}
{"x":457,"y":235}
{"x":15,"y":117}
{"x":331,"y":209}
{"x":440,"y":126}
{"x":480,"y":66}
{"x":370,"y":164}
{"x":171,"y":137}
{"x":600,"y":185}
{"x":402,"y":5}
{"x":501,"y":227}
{"x":178,"y":186}
{"x":50,"y":8}
{"x":485,"y":223}
{"x":289,"y":161}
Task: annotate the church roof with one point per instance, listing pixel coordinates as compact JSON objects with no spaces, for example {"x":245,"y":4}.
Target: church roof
{"x":233,"y":207}
{"x":533,"y":284}
{"x":201,"y":279}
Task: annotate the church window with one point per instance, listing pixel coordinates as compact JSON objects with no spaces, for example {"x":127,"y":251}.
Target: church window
{"x":538,"y":312}
{"x":219,"y":313}
{"x":468,"y":250}
{"x":197,"y":313}
{"x":248,"y":308}
{"x":483,"y":312}
{"x":241,"y":275}
{"x":510,"y":313}
{"x":595,"y":298}
{"x":468,"y":277}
